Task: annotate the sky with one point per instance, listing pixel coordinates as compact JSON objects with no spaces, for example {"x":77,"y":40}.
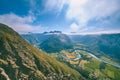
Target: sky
{"x":68,"y":16}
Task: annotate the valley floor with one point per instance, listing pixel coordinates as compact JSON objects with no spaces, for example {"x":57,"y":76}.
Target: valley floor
{"x":89,"y":65}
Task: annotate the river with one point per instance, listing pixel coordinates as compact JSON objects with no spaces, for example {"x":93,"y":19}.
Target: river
{"x":96,"y":58}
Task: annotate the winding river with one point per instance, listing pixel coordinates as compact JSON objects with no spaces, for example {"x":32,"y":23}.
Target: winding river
{"x":95,"y":58}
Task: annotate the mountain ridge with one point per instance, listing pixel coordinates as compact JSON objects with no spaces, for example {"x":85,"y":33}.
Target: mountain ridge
{"x":19,"y":58}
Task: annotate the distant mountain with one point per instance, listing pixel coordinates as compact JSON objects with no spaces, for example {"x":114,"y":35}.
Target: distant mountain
{"x":53,"y":41}
{"x":56,"y":43}
{"x":35,"y":38}
{"x":109,"y":44}
{"x":20,"y":60}
{"x":53,"y":32}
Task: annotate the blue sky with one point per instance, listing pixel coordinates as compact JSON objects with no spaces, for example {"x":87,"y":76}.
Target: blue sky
{"x":80,"y":16}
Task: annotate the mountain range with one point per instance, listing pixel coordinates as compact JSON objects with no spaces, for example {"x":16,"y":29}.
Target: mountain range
{"x":105,"y":44}
{"x":102,"y":44}
{"x":53,"y":41}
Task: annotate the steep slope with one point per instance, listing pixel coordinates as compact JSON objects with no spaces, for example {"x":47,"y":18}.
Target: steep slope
{"x":20,"y":60}
{"x":56,"y":43}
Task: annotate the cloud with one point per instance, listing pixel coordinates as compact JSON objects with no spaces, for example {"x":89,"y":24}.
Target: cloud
{"x":84,"y":10}
{"x":79,"y":14}
{"x":18,"y":23}
{"x":100,"y":32}
{"x":54,"y":5}
{"x":74,"y":27}
{"x":41,"y":7}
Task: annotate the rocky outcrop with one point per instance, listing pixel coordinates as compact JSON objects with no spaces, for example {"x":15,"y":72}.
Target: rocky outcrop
{"x":3,"y":75}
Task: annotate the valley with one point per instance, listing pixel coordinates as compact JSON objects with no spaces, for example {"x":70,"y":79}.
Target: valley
{"x":78,"y":56}
{"x":84,"y":54}
{"x":88,"y":64}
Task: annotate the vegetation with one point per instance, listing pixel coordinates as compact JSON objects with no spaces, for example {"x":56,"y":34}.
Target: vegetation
{"x":105,"y":44}
{"x":20,"y":60}
{"x":91,"y":68}
{"x":106,"y":47}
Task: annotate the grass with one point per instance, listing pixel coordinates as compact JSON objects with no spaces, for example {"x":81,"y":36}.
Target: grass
{"x":28,"y":58}
{"x":109,"y":60}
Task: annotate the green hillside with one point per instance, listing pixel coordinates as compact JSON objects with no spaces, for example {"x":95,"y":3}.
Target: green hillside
{"x":20,"y":60}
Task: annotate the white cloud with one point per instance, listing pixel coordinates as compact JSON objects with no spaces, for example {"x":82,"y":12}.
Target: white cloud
{"x":19,"y":24}
{"x":78,"y":11}
{"x":74,"y":27}
{"x":100,"y":32}
{"x":84,"y":10}
{"x":54,"y":5}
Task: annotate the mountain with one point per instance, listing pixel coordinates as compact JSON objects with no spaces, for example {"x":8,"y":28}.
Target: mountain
{"x":20,"y":60}
{"x":108,"y":44}
{"x":56,"y":43}
{"x":37,"y":38}
{"x":104,"y":44}
{"x":53,"y":41}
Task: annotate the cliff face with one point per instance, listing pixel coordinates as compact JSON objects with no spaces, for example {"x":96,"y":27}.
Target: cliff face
{"x":20,"y":60}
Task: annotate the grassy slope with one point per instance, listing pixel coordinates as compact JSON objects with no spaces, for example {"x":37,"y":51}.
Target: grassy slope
{"x":19,"y":58}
